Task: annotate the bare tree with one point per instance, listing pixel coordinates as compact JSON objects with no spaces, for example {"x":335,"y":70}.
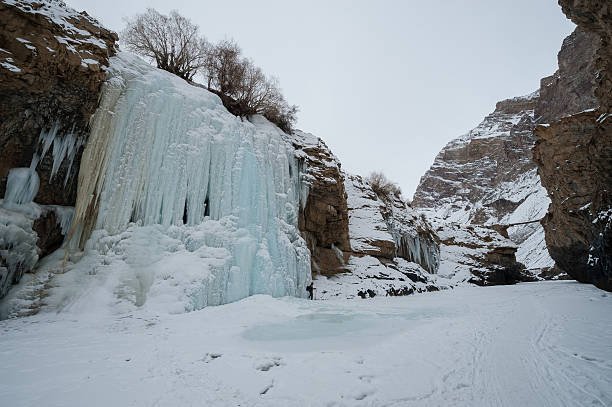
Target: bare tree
{"x":225,"y":68}
{"x":172,"y":41}
{"x":231,"y":75}
{"x":383,"y":187}
{"x":175,"y":44}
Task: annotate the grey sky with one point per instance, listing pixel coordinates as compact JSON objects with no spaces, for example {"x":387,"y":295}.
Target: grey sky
{"x":386,"y":84}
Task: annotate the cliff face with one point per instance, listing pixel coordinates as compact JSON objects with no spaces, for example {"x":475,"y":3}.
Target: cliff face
{"x":52,"y":65}
{"x":460,"y":185}
{"x":394,"y":250}
{"x":594,"y":16}
{"x":574,"y":153}
{"x":487,"y":178}
{"x":51,"y":70}
{"x":323,"y":217}
{"x":572,"y":88}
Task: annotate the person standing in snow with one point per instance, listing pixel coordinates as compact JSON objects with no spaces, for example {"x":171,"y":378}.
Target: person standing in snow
{"x":310,"y":289}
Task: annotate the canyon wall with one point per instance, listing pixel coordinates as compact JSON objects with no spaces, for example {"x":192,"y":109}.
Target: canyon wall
{"x":574,"y":149}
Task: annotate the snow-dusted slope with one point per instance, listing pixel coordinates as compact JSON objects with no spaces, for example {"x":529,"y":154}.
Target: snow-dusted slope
{"x":394,"y":251}
{"x":487,"y":177}
{"x":186,"y":204}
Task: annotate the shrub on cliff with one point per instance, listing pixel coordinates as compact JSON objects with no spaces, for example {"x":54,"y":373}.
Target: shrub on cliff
{"x":175,"y":44}
{"x":383,"y":187}
{"x":229,"y":73}
{"x":172,"y":41}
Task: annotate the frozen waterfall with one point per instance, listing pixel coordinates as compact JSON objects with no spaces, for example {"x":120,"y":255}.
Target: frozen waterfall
{"x":179,"y":198}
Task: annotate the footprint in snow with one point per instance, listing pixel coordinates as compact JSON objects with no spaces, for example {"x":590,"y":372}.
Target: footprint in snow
{"x":363,"y":394}
{"x":268,"y":364}
{"x":209,"y":357}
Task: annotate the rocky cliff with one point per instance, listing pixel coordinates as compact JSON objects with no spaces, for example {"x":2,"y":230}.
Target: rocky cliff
{"x":574,"y":150}
{"x":394,"y":250}
{"x":361,"y":245}
{"x":52,"y":68}
{"x":323,"y":218}
{"x":487,"y":178}
{"x":52,"y":65}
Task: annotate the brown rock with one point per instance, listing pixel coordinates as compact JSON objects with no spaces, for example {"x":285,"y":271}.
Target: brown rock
{"x":574,"y":153}
{"x":50,"y":237}
{"x":575,"y":159}
{"x":323,"y":220}
{"x":571,"y":89}
{"x":54,"y":77}
{"x":52,"y":62}
{"x":469,"y":168}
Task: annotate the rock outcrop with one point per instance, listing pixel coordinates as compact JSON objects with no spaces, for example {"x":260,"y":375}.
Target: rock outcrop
{"x":487,"y":178}
{"x":51,"y":69}
{"x":394,"y":250}
{"x":52,"y":66}
{"x":478,"y":255}
{"x":571,"y":89}
{"x":574,"y":149}
{"x":323,"y":219}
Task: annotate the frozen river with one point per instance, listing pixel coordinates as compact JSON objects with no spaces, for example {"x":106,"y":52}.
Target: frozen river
{"x":538,"y":344}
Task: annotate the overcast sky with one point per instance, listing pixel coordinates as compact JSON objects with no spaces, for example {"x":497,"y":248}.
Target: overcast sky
{"x":386,"y":84}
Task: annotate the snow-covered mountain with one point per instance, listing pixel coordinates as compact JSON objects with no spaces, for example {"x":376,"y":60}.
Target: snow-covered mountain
{"x":487,"y":177}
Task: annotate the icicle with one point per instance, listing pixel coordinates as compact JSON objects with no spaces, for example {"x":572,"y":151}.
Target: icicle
{"x":63,"y":216}
{"x":65,"y":147}
{"x":18,"y":249}
{"x":417,"y":250}
{"x":338,"y":253}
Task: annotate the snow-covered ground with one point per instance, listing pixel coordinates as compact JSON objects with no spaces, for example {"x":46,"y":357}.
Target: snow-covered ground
{"x":536,"y":344}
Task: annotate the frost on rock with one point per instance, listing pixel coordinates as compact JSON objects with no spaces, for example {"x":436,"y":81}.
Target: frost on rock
{"x":182,"y":202}
{"x":478,"y":255}
{"x":370,"y":277}
{"x":56,"y":12}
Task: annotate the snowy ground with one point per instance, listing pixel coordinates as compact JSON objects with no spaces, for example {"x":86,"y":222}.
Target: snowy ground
{"x":537,"y":344}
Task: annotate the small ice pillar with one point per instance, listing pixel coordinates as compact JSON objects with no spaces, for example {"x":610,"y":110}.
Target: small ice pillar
{"x":21,"y":186}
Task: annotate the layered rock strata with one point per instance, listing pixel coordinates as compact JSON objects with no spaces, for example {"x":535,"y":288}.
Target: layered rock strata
{"x":574,"y":150}
{"x":323,"y":218}
{"x":394,"y":251}
{"x":487,"y":178}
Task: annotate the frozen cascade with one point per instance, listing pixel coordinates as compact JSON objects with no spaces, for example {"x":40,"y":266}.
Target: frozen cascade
{"x":418,"y":250}
{"x":65,"y":146}
{"x":18,"y":251}
{"x":23,"y":183}
{"x":21,"y":186}
{"x":168,"y":170}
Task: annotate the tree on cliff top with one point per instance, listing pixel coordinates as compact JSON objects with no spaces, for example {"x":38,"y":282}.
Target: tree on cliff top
{"x":172,"y":41}
{"x":176,"y":46}
{"x":383,"y":187}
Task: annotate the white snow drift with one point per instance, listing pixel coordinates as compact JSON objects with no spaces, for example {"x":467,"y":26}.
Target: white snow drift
{"x":536,"y":344}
